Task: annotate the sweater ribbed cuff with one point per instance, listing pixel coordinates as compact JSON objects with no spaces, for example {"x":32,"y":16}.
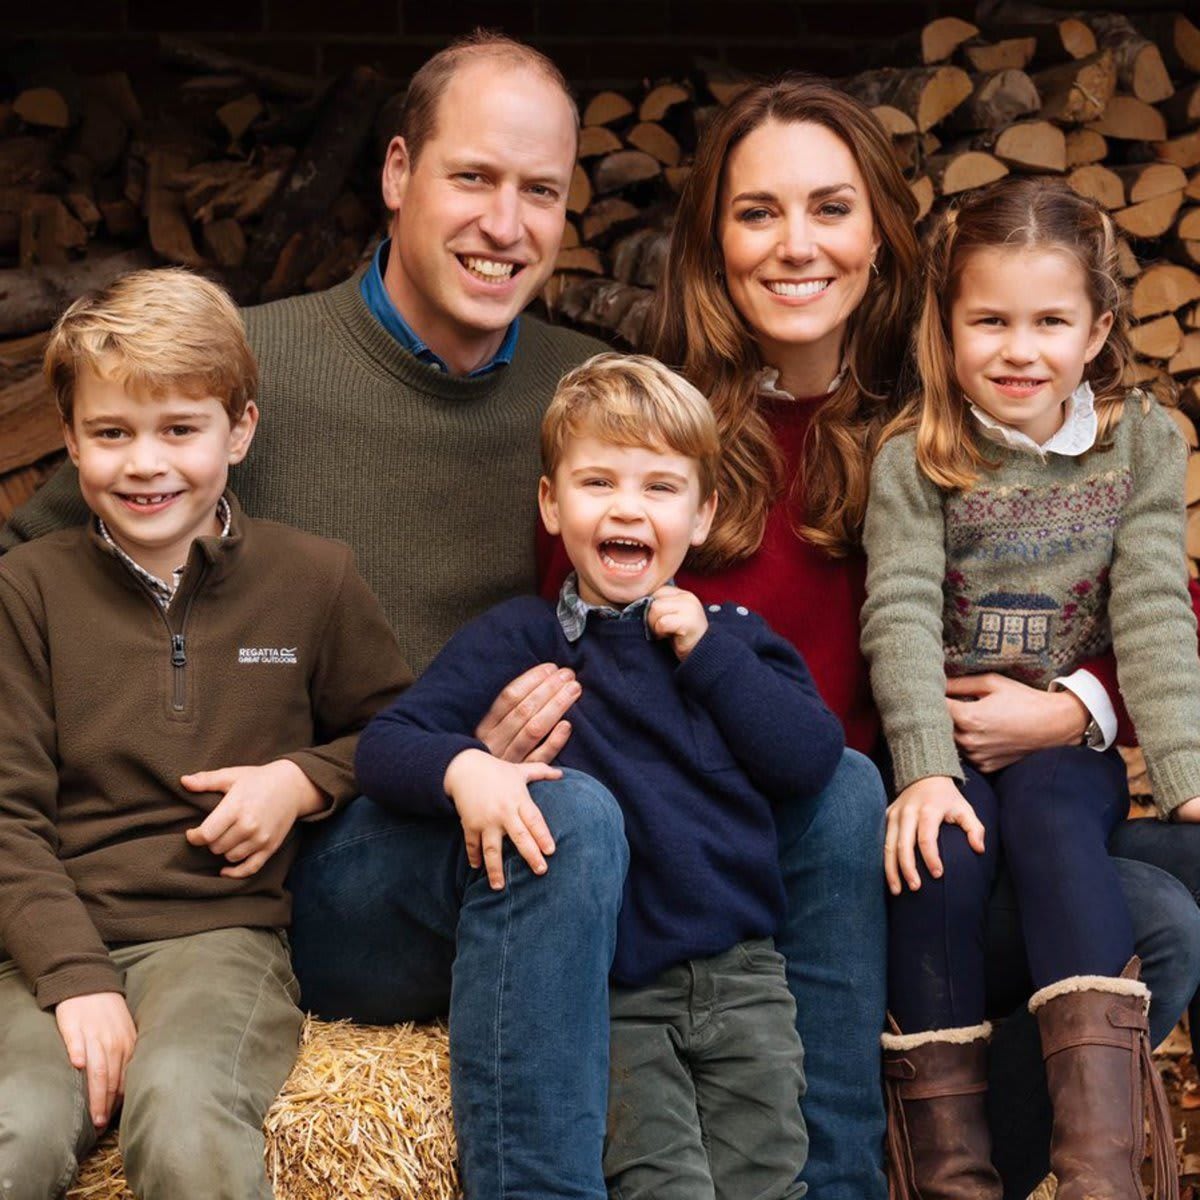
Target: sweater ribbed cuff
{"x":1174,"y":780}
{"x":710,"y":658}
{"x":84,"y":980}
{"x":921,"y":754}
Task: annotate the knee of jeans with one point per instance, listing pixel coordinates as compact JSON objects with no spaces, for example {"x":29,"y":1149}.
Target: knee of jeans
{"x":966,"y":872}
{"x":846,"y":818}
{"x":587,"y":825}
{"x":1166,"y":924}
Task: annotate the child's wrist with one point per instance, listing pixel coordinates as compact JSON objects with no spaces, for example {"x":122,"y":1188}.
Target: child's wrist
{"x":459,"y":768}
{"x":307,"y":799}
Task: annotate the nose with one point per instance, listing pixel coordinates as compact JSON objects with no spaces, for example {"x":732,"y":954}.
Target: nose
{"x":626,"y":505}
{"x":795,"y":239}
{"x":144,"y":457}
{"x":1020,"y":345}
{"x":500,"y":220}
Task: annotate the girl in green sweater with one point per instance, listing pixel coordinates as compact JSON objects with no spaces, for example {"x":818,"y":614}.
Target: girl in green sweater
{"x":1026,"y":513}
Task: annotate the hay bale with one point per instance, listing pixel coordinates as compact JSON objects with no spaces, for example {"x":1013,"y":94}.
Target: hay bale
{"x":364,"y":1113}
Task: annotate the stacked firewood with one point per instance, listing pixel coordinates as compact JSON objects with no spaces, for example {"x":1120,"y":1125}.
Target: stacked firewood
{"x":269,"y":182}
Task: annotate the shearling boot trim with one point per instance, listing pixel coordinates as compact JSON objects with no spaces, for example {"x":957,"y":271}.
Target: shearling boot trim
{"x":1090,"y":983}
{"x":960,"y":1036}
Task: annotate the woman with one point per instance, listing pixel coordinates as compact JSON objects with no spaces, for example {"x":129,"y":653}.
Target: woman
{"x":786,"y":299}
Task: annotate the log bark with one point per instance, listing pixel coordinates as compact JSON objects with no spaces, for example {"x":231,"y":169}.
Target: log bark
{"x":1078,"y":91}
{"x":203,"y":58}
{"x":607,"y":215}
{"x":997,"y":100}
{"x":29,"y":424}
{"x":320,"y":170}
{"x":1140,"y":66}
{"x":925,"y":94}
{"x":622,"y":169}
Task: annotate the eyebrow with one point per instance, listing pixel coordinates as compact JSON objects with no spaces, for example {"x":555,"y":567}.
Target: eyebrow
{"x":172,"y":417}
{"x":816,"y":194}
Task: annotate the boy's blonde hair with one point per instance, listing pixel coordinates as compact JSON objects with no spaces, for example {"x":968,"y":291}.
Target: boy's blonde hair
{"x":1018,"y":213}
{"x":157,"y":329}
{"x":632,"y":400}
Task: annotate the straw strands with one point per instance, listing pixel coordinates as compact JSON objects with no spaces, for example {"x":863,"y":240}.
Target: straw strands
{"x":364,"y":1115}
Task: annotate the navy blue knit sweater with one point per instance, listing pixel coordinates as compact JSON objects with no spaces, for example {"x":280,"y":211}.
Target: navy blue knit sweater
{"x":695,"y":754}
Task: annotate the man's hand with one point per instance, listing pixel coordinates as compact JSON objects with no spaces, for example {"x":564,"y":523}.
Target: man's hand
{"x":1188,"y":811}
{"x":525,"y":721}
{"x":259,"y":807}
{"x":914,"y":819}
{"x":998,"y":720}
{"x":680,"y":616}
{"x":99,"y":1034}
{"x":492,"y":799}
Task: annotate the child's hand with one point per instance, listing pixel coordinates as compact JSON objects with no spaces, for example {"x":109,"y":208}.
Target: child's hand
{"x":99,"y":1034}
{"x":259,"y":808}
{"x":680,"y":616}
{"x":492,"y":799}
{"x":1188,"y":811}
{"x":914,"y":819}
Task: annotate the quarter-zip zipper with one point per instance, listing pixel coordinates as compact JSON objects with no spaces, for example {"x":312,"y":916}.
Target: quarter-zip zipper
{"x":178,"y":663}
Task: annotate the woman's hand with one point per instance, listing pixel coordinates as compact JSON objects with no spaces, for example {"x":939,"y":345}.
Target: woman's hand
{"x":914,"y":819}
{"x":998,"y":720}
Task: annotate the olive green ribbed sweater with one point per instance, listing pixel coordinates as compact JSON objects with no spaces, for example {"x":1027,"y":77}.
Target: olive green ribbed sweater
{"x":430,"y":478}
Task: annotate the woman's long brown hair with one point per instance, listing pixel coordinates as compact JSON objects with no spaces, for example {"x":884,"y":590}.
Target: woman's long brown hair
{"x":696,"y":328}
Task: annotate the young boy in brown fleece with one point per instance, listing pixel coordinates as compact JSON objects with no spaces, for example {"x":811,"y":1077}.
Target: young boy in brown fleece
{"x":179,"y":684}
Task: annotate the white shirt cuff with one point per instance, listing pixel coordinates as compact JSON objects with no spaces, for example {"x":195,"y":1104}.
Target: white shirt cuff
{"x":1091,"y":694}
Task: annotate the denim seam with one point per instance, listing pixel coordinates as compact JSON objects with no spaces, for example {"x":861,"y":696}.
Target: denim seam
{"x":500,"y":989}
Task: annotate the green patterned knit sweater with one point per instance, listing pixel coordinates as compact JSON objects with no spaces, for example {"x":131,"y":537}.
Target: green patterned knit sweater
{"x":431,"y":478}
{"x":1038,"y":566}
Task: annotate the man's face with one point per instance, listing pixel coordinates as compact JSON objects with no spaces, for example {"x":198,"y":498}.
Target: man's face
{"x":477,"y":220}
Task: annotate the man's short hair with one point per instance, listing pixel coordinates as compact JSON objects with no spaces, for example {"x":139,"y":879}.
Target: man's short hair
{"x":418,"y":118}
{"x":632,"y":400}
{"x":158,"y":329}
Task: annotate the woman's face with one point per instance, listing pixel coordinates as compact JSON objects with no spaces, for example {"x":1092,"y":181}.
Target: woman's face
{"x":798,"y":238}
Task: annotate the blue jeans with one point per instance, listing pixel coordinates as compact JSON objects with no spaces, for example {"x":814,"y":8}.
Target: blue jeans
{"x":834,"y":939}
{"x":1176,"y":850}
{"x":380,"y":901}
{"x":390,"y":924}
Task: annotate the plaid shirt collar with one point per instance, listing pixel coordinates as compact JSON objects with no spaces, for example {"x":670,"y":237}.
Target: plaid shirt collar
{"x":573,"y":610}
{"x":160,"y":589}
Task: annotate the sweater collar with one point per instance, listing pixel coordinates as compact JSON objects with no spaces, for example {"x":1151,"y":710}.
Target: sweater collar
{"x":352,"y":317}
{"x":375,"y":293}
{"x":1075,"y":436}
{"x":769,"y":389}
{"x":573,"y":610}
{"x":216,"y":553}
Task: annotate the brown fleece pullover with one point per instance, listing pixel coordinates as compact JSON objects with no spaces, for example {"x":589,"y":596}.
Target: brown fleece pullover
{"x":273,"y":647}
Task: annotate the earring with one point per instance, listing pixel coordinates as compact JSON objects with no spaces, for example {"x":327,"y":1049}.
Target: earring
{"x":874,"y":267}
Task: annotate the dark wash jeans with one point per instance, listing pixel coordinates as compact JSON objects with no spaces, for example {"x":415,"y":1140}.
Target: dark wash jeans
{"x":381,"y":902}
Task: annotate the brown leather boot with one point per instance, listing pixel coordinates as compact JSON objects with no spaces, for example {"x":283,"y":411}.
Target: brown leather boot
{"x":1096,"y":1043}
{"x":938,"y":1142}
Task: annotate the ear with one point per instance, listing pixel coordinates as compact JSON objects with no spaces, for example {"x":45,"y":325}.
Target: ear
{"x":548,"y":505}
{"x":69,"y":437}
{"x":241,"y":434}
{"x":703,"y":520}
{"x":1101,"y":327}
{"x":397,"y":169}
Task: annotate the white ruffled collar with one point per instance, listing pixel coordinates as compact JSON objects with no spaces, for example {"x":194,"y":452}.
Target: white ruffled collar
{"x":1074,"y":437}
{"x":769,"y":389}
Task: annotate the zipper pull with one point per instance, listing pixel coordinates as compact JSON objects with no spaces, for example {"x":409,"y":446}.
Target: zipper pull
{"x":178,"y":650}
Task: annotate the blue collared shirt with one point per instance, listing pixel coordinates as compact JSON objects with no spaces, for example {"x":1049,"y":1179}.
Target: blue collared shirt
{"x":388,"y":315}
{"x":573,"y":610}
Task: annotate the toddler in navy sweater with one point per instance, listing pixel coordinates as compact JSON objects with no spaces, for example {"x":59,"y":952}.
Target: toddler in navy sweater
{"x":697,"y":720}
